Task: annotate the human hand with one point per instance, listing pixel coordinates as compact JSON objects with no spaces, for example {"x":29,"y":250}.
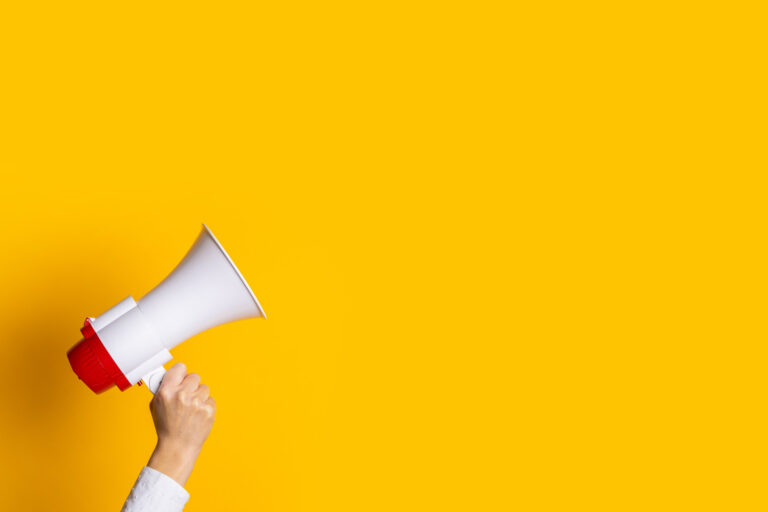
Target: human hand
{"x":183,"y":412}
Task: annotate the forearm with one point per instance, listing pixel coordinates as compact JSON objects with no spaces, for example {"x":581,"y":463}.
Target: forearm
{"x":183,"y":413}
{"x":174,"y":460}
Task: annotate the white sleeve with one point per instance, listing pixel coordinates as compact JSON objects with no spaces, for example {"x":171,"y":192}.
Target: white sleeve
{"x":155,"y":492}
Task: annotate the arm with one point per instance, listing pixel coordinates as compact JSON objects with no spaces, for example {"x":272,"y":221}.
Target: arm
{"x":183,"y":412}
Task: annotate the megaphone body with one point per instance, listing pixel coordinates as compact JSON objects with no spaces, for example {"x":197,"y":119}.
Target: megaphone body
{"x":131,"y":341}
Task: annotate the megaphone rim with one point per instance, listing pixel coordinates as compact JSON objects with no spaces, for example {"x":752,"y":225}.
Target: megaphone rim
{"x":239,"y":274}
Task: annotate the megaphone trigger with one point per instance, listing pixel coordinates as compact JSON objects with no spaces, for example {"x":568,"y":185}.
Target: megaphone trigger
{"x":153,"y":379}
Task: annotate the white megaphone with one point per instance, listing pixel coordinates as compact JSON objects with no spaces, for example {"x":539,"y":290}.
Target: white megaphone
{"x":130,"y":342}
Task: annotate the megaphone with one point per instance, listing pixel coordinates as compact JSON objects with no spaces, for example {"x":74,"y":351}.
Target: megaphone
{"x":130,"y":342}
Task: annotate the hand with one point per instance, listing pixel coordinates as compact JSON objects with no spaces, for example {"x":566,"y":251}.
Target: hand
{"x":183,"y":412}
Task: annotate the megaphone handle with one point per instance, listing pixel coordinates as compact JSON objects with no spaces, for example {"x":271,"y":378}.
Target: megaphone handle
{"x":154,"y":378}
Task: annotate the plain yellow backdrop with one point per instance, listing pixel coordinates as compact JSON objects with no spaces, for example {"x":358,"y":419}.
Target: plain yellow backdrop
{"x":511,"y":254}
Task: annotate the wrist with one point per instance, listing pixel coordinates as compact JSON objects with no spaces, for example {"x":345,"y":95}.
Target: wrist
{"x":174,"y":459}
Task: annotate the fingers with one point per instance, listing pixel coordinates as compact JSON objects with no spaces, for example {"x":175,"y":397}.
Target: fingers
{"x":188,"y":387}
{"x":210,"y":404}
{"x":190,"y":384}
{"x":174,"y":376}
{"x":202,"y":393}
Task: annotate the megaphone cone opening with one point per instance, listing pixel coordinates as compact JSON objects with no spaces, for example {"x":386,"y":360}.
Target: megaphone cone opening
{"x":239,"y":274}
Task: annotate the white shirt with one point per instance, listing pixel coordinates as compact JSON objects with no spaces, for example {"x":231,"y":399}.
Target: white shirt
{"x":155,"y":492}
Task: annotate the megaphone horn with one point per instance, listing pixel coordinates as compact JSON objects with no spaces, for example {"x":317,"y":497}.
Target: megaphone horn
{"x":132,"y":340}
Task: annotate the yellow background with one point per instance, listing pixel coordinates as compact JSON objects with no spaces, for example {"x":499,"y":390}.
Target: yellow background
{"x":512,"y":256}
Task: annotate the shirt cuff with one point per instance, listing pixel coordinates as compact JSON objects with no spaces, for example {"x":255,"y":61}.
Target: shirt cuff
{"x":156,"y":492}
